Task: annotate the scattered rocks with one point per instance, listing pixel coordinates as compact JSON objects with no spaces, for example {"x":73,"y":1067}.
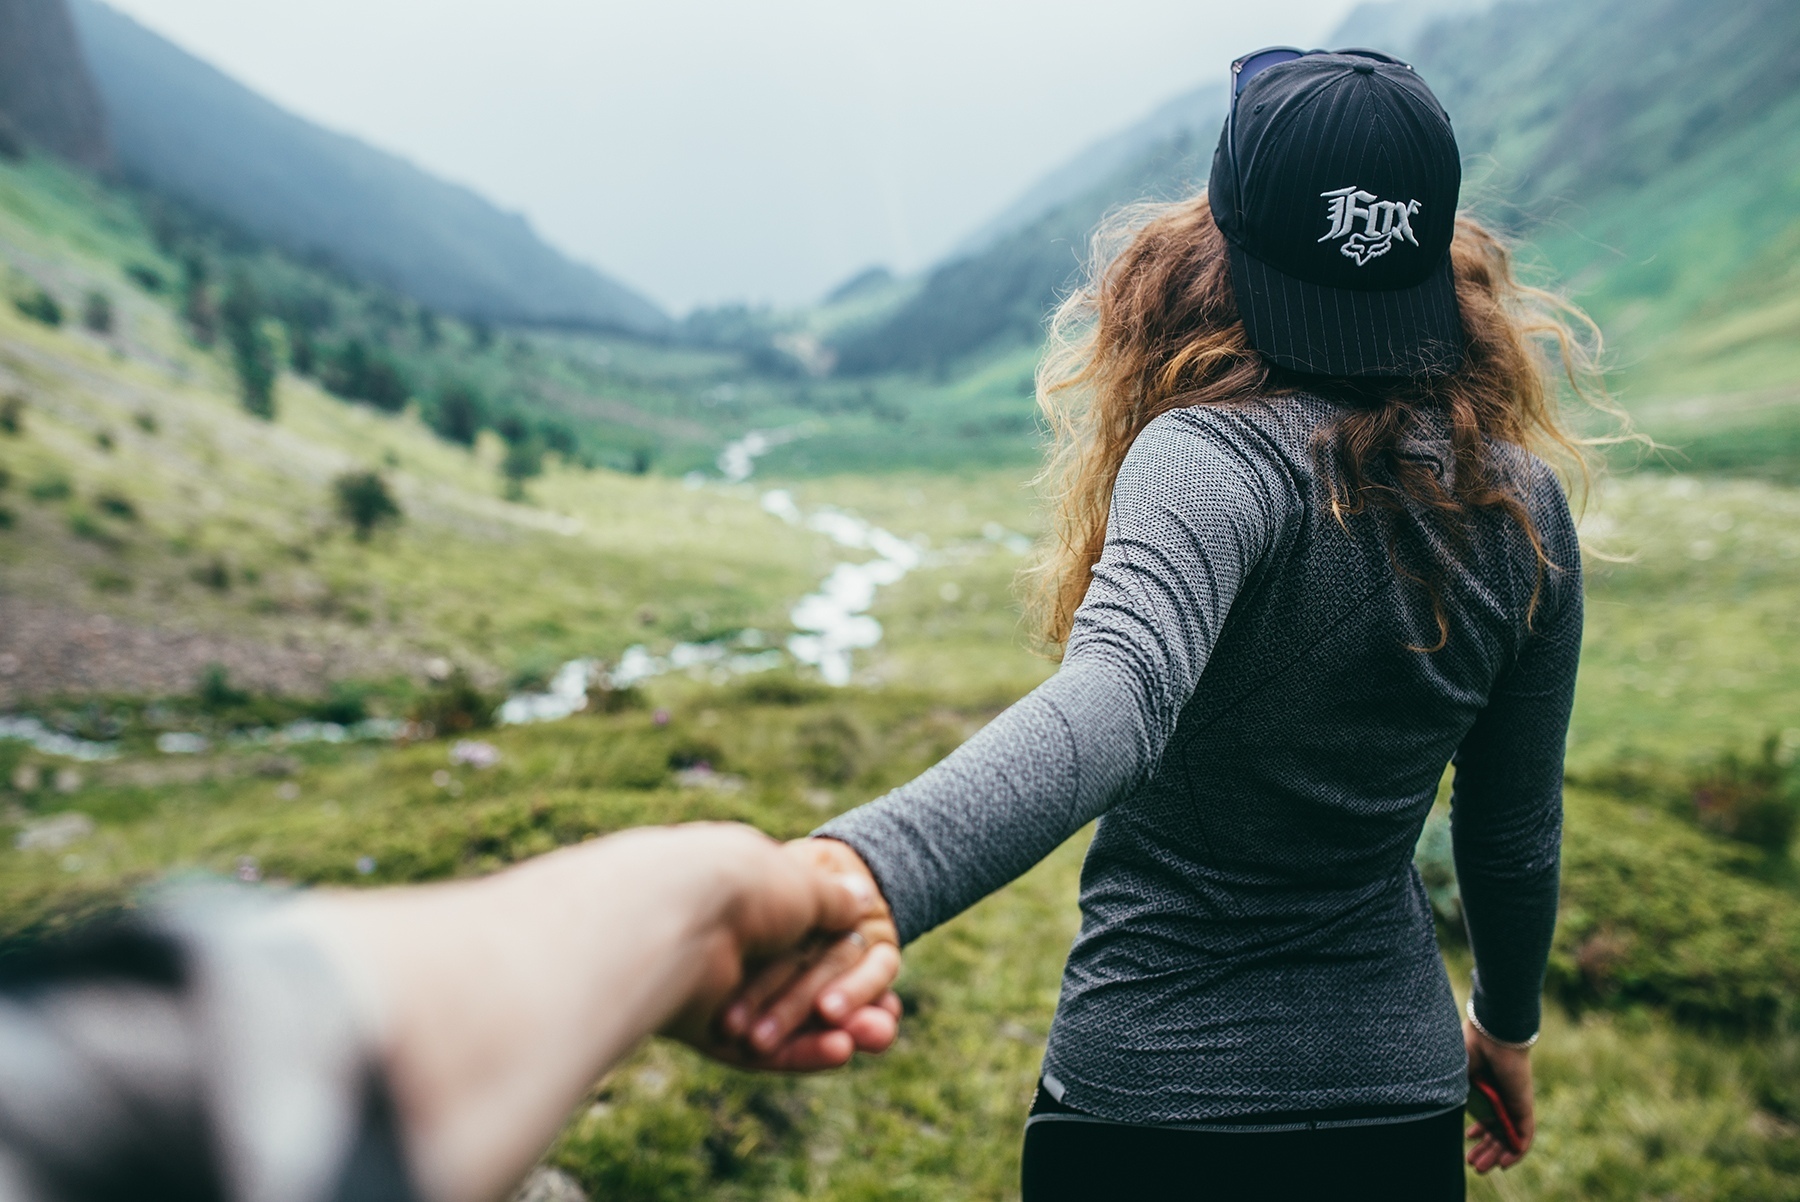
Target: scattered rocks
{"x":55,"y":832}
{"x":701,"y":776}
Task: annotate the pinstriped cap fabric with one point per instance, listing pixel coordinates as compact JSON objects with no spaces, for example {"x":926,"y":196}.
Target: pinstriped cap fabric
{"x":1335,"y":184}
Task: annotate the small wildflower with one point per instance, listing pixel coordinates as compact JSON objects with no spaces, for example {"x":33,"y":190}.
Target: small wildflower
{"x":365,"y":865}
{"x":474,"y":753}
{"x":441,"y":779}
{"x":248,"y":870}
{"x":661,"y":717}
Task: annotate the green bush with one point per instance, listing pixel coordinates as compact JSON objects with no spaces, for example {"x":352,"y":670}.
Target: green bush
{"x":252,"y":350}
{"x":358,"y":372}
{"x":32,"y":301}
{"x":12,"y":415}
{"x":1655,"y":912}
{"x":1753,"y":799}
{"x":146,"y":277}
{"x":458,"y":414}
{"x":117,"y":505}
{"x":454,"y":706}
{"x":214,"y":574}
{"x":364,"y":501}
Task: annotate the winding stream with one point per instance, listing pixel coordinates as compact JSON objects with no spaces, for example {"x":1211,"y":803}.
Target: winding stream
{"x":829,"y":624}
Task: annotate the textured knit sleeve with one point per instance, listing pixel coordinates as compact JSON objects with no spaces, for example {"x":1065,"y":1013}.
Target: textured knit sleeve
{"x":1194,"y":508}
{"x":1506,"y":808}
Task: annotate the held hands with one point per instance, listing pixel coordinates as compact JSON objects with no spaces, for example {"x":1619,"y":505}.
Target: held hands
{"x":1510,"y":1069}
{"x":806,"y":955}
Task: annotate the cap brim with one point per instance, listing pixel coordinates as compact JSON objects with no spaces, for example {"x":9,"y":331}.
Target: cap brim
{"x":1306,"y":327}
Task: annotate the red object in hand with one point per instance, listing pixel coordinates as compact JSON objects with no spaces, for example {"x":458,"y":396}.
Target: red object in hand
{"x":1486,"y":1107}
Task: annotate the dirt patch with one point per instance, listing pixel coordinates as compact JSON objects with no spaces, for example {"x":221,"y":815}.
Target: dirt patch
{"x":49,"y":650}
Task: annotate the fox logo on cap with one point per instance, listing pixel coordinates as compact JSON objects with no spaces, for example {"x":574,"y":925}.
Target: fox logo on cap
{"x":1383,"y":221}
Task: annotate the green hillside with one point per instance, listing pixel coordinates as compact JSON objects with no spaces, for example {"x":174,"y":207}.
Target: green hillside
{"x":1648,"y":155}
{"x":172,"y":564}
{"x":186,"y":128}
{"x":1650,"y":152}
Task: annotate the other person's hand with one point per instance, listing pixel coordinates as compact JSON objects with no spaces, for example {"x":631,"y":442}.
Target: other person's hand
{"x":1510,"y":1069}
{"x":788,"y":913}
{"x":811,"y":1008}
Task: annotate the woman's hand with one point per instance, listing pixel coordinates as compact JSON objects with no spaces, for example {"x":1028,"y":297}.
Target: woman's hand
{"x":813,"y":1008}
{"x":1510,"y":1070}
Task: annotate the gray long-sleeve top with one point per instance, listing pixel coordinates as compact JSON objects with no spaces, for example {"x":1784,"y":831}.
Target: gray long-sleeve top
{"x":1247,"y":705}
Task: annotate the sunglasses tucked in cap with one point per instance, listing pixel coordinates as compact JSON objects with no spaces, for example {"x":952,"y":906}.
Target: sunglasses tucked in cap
{"x":1335,"y":184}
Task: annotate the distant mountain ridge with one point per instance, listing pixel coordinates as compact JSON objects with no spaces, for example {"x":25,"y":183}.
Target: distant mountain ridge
{"x":47,"y":99}
{"x":1644,"y":146}
{"x":184,"y":127}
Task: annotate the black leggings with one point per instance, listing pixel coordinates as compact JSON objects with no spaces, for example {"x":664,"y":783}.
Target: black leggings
{"x":1068,"y":1159}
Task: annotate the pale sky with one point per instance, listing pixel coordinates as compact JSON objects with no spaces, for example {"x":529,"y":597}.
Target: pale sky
{"x":712,"y":150}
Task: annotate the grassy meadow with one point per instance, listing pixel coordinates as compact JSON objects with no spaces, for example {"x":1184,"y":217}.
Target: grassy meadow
{"x":139,"y":496}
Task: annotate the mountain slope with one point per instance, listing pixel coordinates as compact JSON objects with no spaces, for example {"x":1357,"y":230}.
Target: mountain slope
{"x":1647,"y":150}
{"x":182,"y":126}
{"x":1653,"y":165}
{"x":47,"y":99}
{"x":998,"y":296}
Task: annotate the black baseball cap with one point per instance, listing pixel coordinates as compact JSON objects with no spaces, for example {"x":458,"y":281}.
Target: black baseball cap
{"x":1335,"y":184}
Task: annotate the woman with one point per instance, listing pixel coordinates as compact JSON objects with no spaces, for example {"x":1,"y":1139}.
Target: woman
{"x":1307,"y":557}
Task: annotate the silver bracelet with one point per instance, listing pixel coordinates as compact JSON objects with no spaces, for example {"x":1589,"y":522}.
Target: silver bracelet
{"x":1488,"y":1035}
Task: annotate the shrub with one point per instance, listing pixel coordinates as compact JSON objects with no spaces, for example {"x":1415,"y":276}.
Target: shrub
{"x":1752,"y":799}
{"x":523,"y":460}
{"x":364,"y":501}
{"x":146,"y":421}
{"x":117,"y":505}
{"x":1749,"y":799}
{"x":454,"y":705}
{"x":7,"y":518}
{"x":83,"y":524}
{"x":357,"y":372}
{"x":37,"y":304}
{"x":146,"y":277}
{"x":1655,"y":912}
{"x":197,"y":308}
{"x":5,"y":477}
{"x":12,"y":415}
{"x":777,"y":688}
{"x":604,"y":699}
{"x":214,"y":574}
{"x":344,"y":704}
{"x":458,"y":414}
{"x":54,"y":487}
{"x":97,"y":312}
{"x":215,"y":692}
{"x":252,"y":350}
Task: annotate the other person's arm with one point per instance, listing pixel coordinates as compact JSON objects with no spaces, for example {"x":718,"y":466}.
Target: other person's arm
{"x":498,"y":1002}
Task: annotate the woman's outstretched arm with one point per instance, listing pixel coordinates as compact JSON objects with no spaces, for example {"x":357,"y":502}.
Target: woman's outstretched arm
{"x":1194,"y":510}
